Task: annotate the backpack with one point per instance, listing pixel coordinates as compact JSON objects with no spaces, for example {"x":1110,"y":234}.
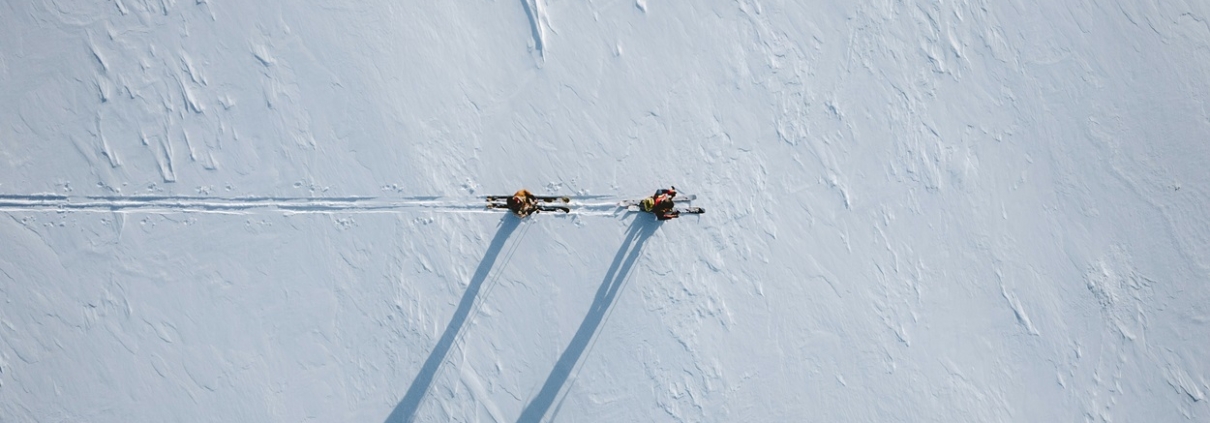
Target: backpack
{"x":647,"y":204}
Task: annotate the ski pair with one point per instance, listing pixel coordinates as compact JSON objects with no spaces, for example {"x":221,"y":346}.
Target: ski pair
{"x":539,"y":198}
{"x":634,"y":205}
{"x":542,"y":207}
{"x":627,"y":204}
{"x":542,"y":202}
{"x":681,"y":210}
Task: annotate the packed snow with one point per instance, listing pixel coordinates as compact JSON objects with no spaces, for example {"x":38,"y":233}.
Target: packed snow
{"x":916,"y":211}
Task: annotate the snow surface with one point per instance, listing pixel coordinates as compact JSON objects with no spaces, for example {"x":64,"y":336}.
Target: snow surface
{"x":917,"y":211}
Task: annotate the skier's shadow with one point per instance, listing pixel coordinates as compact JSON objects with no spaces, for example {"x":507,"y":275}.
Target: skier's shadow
{"x":640,"y":230}
{"x":406,"y":410}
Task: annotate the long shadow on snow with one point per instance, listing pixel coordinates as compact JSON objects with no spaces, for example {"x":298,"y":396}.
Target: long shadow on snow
{"x":406,"y":410}
{"x":642,"y":228}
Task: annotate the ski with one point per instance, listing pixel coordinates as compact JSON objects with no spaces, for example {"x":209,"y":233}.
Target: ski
{"x":678,"y":199}
{"x":546,"y":208}
{"x":538,"y":198}
{"x":681,"y":210}
{"x":541,"y":207}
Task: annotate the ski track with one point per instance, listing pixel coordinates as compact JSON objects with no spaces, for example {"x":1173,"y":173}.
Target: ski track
{"x":292,"y":205}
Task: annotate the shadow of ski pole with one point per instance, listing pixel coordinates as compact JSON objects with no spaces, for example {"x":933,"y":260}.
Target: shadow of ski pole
{"x":406,"y":410}
{"x":640,"y":230}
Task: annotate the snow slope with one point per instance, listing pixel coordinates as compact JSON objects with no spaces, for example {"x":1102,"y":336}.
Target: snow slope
{"x":917,"y":211}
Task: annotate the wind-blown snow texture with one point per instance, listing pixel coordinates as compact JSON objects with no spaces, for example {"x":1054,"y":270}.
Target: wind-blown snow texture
{"x":918,"y":211}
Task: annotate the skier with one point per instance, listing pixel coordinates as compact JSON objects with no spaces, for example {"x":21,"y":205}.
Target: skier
{"x":661,"y":204}
{"x":522,"y":203}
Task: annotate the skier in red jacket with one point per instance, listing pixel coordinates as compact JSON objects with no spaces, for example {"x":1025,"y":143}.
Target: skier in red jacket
{"x":661,"y":204}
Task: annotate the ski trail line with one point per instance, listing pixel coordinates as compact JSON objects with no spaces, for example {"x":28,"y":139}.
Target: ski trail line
{"x":251,"y":204}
